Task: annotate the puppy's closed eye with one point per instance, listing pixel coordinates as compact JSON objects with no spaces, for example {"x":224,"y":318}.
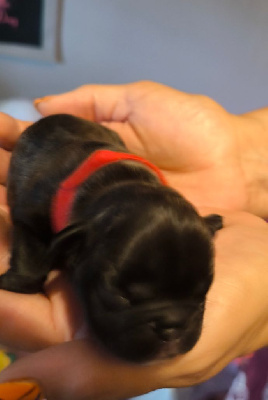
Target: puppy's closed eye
{"x":140,"y":292}
{"x":113,"y":299}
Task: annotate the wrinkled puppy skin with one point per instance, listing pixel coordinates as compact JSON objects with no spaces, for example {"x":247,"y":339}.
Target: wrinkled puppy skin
{"x":137,"y":252}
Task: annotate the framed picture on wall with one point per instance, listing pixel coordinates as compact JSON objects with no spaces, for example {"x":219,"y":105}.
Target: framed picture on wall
{"x":30,"y":29}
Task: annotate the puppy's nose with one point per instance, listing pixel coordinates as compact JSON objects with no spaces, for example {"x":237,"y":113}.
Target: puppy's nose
{"x":173,"y":318}
{"x":169,"y":334}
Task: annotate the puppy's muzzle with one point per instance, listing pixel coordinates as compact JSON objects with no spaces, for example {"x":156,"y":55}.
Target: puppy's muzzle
{"x":145,"y":332}
{"x":168,"y":325}
{"x":173,"y":325}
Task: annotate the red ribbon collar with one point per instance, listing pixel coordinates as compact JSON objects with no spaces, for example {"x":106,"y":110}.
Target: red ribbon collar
{"x":64,"y":197}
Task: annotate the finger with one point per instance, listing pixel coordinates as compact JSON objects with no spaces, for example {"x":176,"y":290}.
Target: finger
{"x":242,"y":219}
{"x":27,"y":322}
{"x":235,"y":218}
{"x":109,"y":105}
{"x":65,"y":306}
{"x":4,"y":165}
{"x":10,"y":130}
{"x":3,"y":195}
{"x":75,"y":370}
{"x":4,"y":239}
{"x":95,"y":102}
{"x":40,"y":320}
{"x":50,"y":319}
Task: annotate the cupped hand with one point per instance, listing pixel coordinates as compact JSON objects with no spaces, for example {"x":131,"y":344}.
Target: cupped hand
{"x":235,"y":323}
{"x":190,"y":137}
{"x":30,"y":322}
{"x":10,"y":130}
{"x":235,"y":320}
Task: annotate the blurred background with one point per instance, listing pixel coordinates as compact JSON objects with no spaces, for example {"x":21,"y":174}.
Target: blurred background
{"x":213,"y":47}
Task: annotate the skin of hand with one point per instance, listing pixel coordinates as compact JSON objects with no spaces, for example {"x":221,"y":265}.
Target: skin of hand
{"x":40,"y":320}
{"x":235,"y":323}
{"x":32,"y":322}
{"x":235,"y":318}
{"x":211,"y":156}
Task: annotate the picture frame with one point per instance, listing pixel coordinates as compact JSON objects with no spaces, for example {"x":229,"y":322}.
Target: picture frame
{"x":30,"y":29}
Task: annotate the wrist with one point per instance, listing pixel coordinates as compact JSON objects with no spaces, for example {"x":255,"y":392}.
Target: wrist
{"x":252,"y":139}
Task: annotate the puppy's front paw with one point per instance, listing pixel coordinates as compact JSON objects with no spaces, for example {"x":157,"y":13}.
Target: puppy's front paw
{"x":20,"y":284}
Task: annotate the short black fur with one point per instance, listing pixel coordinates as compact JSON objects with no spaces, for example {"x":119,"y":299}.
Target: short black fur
{"x":137,"y":252}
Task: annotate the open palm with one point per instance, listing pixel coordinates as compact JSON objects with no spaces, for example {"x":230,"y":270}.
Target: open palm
{"x":190,"y":137}
{"x":194,"y":141}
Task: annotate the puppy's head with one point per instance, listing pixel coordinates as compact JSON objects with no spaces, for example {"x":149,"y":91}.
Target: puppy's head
{"x":142,"y":264}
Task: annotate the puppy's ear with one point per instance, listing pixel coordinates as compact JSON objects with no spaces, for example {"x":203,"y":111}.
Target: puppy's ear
{"x":214,"y":223}
{"x":65,"y":246}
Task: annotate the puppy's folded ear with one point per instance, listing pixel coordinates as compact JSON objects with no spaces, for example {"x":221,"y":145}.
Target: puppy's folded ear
{"x":214,"y":223}
{"x":65,"y":246}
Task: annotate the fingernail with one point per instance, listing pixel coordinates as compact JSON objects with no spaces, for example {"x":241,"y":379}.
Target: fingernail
{"x":41,"y":100}
{"x":26,"y":390}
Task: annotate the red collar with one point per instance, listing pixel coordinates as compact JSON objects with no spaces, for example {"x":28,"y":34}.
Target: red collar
{"x":64,"y":197}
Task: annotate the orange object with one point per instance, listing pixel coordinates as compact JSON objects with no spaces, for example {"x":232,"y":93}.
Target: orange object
{"x":20,"y":390}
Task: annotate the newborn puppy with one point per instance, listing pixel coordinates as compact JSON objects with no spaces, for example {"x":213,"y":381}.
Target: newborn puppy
{"x":138,"y":254}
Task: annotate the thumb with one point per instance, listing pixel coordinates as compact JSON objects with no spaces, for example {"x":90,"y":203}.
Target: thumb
{"x":75,"y":370}
{"x":94,"y":102}
{"x":10,"y":130}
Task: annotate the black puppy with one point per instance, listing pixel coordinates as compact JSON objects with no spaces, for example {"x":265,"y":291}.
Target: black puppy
{"x":138,"y":254}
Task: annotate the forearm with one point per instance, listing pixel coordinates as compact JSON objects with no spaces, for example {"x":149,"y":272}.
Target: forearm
{"x":252,"y":134}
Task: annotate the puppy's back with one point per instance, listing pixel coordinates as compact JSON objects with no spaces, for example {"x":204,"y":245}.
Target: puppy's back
{"x":46,"y":153}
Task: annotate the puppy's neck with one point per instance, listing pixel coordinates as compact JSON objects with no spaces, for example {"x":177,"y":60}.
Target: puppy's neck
{"x":64,"y":197}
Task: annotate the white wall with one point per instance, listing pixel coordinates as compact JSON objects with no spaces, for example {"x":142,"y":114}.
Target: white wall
{"x":215,"y":47}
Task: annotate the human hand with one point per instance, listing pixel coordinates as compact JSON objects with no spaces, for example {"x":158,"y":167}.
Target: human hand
{"x":40,"y":320}
{"x":10,"y":129}
{"x":235,"y":323}
{"x":32,"y":322}
{"x":240,"y":279}
{"x":212,"y":157}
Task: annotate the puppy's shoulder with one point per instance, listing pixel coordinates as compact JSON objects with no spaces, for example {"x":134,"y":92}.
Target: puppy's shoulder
{"x":67,"y":127}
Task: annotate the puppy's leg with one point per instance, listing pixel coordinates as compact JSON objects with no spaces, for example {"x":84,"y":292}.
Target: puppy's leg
{"x":28,"y":270}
